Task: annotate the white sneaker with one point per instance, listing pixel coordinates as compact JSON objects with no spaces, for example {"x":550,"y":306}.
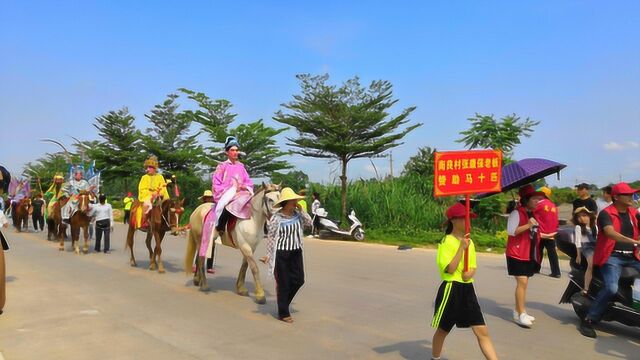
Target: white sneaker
{"x":515,"y":316}
{"x":523,"y":320}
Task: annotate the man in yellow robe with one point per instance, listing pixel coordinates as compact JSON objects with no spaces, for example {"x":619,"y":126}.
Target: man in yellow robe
{"x":150,"y":187}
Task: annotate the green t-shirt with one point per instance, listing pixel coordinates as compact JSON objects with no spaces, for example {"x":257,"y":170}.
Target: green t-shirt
{"x":446,"y":251}
{"x":303,"y":204}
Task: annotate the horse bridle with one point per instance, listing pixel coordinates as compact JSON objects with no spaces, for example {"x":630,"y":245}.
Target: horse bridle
{"x":264,"y":201}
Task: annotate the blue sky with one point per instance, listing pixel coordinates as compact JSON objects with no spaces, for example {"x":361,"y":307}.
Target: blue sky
{"x":573,"y":65}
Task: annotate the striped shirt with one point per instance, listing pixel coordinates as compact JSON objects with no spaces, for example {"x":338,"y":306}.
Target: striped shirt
{"x":285,"y":233}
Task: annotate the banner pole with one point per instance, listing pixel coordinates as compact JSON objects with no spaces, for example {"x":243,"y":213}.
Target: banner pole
{"x":467,"y":229}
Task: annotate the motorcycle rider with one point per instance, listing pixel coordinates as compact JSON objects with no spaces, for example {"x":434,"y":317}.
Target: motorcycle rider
{"x":616,"y":247}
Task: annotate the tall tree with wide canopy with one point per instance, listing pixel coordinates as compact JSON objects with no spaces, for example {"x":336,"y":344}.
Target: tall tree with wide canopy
{"x":171,"y":140}
{"x":257,"y":141}
{"x":504,"y":134}
{"x":119,"y":153}
{"x":344,"y":123}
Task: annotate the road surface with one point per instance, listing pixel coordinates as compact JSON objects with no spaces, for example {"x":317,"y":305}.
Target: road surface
{"x":360,"y":301}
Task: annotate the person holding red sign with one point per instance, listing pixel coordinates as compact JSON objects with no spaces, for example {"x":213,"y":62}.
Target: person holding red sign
{"x":523,"y":257}
{"x":456,"y":301}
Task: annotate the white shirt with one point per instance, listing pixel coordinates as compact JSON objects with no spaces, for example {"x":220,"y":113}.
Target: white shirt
{"x":315,"y":205}
{"x":102,"y":212}
{"x":512,"y":223}
{"x":602,"y":204}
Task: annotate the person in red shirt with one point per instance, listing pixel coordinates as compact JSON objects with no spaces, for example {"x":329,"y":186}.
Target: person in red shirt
{"x":616,"y":247}
{"x":546,"y":213}
{"x":523,"y":257}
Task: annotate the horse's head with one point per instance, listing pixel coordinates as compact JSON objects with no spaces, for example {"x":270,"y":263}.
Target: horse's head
{"x":25,"y":203}
{"x":174,"y":210}
{"x":84,"y":199}
{"x":269,"y":198}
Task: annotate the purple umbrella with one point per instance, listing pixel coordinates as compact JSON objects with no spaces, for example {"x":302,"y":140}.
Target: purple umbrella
{"x":524,"y":172}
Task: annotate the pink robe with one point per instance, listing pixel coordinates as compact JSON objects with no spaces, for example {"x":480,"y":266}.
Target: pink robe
{"x":226,"y":183}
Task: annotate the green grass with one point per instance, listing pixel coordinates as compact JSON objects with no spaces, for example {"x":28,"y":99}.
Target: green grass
{"x":430,"y":238}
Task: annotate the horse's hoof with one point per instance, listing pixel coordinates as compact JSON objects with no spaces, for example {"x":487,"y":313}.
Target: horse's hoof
{"x":204,"y":288}
{"x":133,"y":264}
{"x":243,"y":292}
{"x":161,"y":271}
{"x":196,"y":282}
{"x":261,"y":300}
{"x":61,"y":249}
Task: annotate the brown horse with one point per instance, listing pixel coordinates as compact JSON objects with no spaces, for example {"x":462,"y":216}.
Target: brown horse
{"x":56,"y":229}
{"x":163,"y":217}
{"x":80,"y":221}
{"x":21,"y":216}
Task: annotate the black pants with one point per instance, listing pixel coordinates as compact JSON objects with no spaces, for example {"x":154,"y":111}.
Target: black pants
{"x":222,"y":222}
{"x":289,"y":274}
{"x":550,"y":245}
{"x":37,"y":219}
{"x":103,"y":227}
{"x":127,"y":216}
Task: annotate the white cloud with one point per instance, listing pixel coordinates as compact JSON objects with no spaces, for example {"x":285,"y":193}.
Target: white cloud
{"x":616,"y":146}
{"x":613,"y":146}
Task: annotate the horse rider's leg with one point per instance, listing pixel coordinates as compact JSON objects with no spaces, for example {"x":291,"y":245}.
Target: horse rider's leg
{"x":158,"y":250}
{"x":152,"y":260}
{"x":247,"y":251}
{"x":130,"y":233}
{"x":240,"y":287}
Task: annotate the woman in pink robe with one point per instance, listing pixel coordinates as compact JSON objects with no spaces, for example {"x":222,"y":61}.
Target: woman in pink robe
{"x":232,"y":191}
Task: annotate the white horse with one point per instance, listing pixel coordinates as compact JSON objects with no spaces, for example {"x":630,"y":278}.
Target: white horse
{"x":246,"y":237}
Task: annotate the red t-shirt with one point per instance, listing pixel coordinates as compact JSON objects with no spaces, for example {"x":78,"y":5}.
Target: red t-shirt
{"x":546,"y":214}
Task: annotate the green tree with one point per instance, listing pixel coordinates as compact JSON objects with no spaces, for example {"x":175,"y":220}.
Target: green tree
{"x":170,"y":140}
{"x":46,"y":167}
{"x":119,"y":153}
{"x":344,"y":123}
{"x":294,"y":179}
{"x":177,"y":149}
{"x":503,"y":134}
{"x":421,"y":163}
{"x":214,"y":115}
{"x":257,"y":141}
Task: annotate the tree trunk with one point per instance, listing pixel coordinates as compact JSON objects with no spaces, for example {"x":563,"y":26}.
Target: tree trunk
{"x":343,"y":181}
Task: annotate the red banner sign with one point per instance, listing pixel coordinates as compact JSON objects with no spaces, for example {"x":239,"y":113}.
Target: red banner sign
{"x":467,"y":172}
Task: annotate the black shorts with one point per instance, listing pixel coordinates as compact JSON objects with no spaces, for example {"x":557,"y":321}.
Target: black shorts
{"x":517,"y":267}
{"x":456,"y":304}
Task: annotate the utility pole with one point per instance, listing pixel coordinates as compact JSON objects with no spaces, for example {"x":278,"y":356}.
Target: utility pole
{"x":391,"y":163}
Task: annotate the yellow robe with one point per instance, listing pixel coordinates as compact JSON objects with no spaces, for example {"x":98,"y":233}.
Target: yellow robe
{"x":149,"y":185}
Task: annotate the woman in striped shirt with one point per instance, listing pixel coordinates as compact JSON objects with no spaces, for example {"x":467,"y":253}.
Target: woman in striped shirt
{"x":284,"y":250}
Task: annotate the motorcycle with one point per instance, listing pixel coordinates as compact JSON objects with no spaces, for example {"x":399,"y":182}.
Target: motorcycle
{"x":327,"y":228}
{"x":621,"y":306}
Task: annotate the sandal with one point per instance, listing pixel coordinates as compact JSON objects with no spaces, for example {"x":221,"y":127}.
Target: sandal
{"x":287,"y":319}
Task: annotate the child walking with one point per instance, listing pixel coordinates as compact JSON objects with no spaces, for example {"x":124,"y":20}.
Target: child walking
{"x":584,"y":237}
{"x":456,"y":301}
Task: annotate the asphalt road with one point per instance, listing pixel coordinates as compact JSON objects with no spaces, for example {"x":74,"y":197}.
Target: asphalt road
{"x":360,"y":301}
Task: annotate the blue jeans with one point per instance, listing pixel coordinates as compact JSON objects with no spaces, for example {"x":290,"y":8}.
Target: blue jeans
{"x":610,"y":271}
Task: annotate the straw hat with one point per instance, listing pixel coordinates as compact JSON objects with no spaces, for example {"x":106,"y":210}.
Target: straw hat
{"x":287,"y":194}
{"x":207,"y":193}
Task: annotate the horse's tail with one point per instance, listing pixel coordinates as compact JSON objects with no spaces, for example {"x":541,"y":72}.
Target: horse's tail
{"x":192,"y":241}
